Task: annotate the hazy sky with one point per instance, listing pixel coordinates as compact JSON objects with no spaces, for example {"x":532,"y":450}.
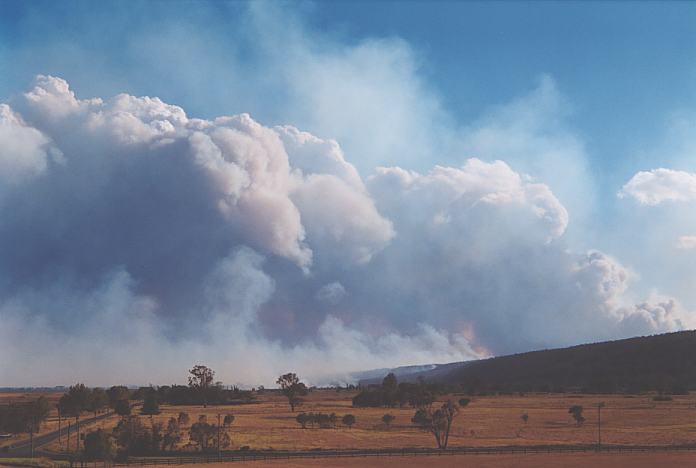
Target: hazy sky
{"x":329,"y":187}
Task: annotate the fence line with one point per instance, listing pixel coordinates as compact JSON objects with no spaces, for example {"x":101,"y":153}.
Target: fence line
{"x":287,"y":455}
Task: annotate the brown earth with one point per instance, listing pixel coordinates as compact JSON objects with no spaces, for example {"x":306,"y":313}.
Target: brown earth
{"x":643,"y":460}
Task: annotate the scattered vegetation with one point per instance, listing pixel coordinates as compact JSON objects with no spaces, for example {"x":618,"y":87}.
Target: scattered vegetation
{"x":322,"y":420}
{"x":576,"y":412}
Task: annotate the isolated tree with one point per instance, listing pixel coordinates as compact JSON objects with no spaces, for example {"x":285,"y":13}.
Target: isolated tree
{"x":576,"y":412}
{"x":524,"y":417}
{"x":123,"y":408}
{"x":150,"y":405}
{"x":99,"y":445}
{"x":183,"y":419}
{"x":387,"y":419}
{"x":116,"y":394}
{"x":172,"y":434}
{"x":438,"y":422}
{"x":75,"y":400}
{"x":229,"y":419}
{"x":135,"y":438}
{"x":348,"y":420}
{"x":292,"y":388}
{"x":203,"y":434}
{"x":464,"y":402}
{"x":38,"y":411}
{"x":200,"y":380}
{"x":98,"y":400}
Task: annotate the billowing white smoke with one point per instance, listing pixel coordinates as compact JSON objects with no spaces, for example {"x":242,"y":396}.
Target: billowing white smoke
{"x":136,"y":241}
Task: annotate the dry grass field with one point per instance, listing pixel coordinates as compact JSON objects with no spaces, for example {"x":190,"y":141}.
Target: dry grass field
{"x":646,"y":460}
{"x":487,"y":421}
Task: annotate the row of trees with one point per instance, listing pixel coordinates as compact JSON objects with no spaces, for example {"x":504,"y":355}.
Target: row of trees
{"x":24,"y":417}
{"x":132,"y":437}
{"x":391,"y":394}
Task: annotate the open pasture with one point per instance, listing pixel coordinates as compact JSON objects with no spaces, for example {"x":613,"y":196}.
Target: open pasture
{"x":487,"y":421}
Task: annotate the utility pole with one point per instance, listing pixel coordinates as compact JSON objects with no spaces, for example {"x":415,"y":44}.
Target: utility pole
{"x":77,"y":429}
{"x":218,"y":436}
{"x":599,"y":425}
{"x":68,"y":445}
{"x":31,"y":437}
{"x":60,"y":433}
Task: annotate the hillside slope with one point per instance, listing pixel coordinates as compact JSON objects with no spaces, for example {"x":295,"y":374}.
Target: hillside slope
{"x":664,"y":362}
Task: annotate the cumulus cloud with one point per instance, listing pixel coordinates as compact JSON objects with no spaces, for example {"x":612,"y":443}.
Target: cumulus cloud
{"x":141,"y":240}
{"x":25,"y":152}
{"x":532,"y":136}
{"x":659,"y":186}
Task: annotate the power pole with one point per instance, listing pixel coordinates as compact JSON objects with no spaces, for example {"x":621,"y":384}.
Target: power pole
{"x":68,"y":445}
{"x":31,"y":437}
{"x":599,"y":425}
{"x":218,"y":436}
{"x":60,"y":433}
{"x":77,"y":428}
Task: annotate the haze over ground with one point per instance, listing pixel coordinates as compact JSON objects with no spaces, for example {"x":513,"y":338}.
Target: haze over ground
{"x":308,"y":189}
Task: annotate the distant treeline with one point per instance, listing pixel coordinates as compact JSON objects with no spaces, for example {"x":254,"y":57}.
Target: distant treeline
{"x":187,"y":395}
{"x":392,"y":394}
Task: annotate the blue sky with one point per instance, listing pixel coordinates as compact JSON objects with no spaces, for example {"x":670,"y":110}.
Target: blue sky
{"x":575,"y":99}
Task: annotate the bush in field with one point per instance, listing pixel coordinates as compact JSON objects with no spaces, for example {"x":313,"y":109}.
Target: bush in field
{"x":348,"y":420}
{"x":576,"y":412}
{"x":229,"y":419}
{"x":302,"y":419}
{"x":99,"y":446}
{"x":387,"y":419}
{"x":323,"y":420}
{"x":524,"y":418}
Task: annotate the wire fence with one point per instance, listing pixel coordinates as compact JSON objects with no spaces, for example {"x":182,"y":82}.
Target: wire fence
{"x":230,"y":457}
